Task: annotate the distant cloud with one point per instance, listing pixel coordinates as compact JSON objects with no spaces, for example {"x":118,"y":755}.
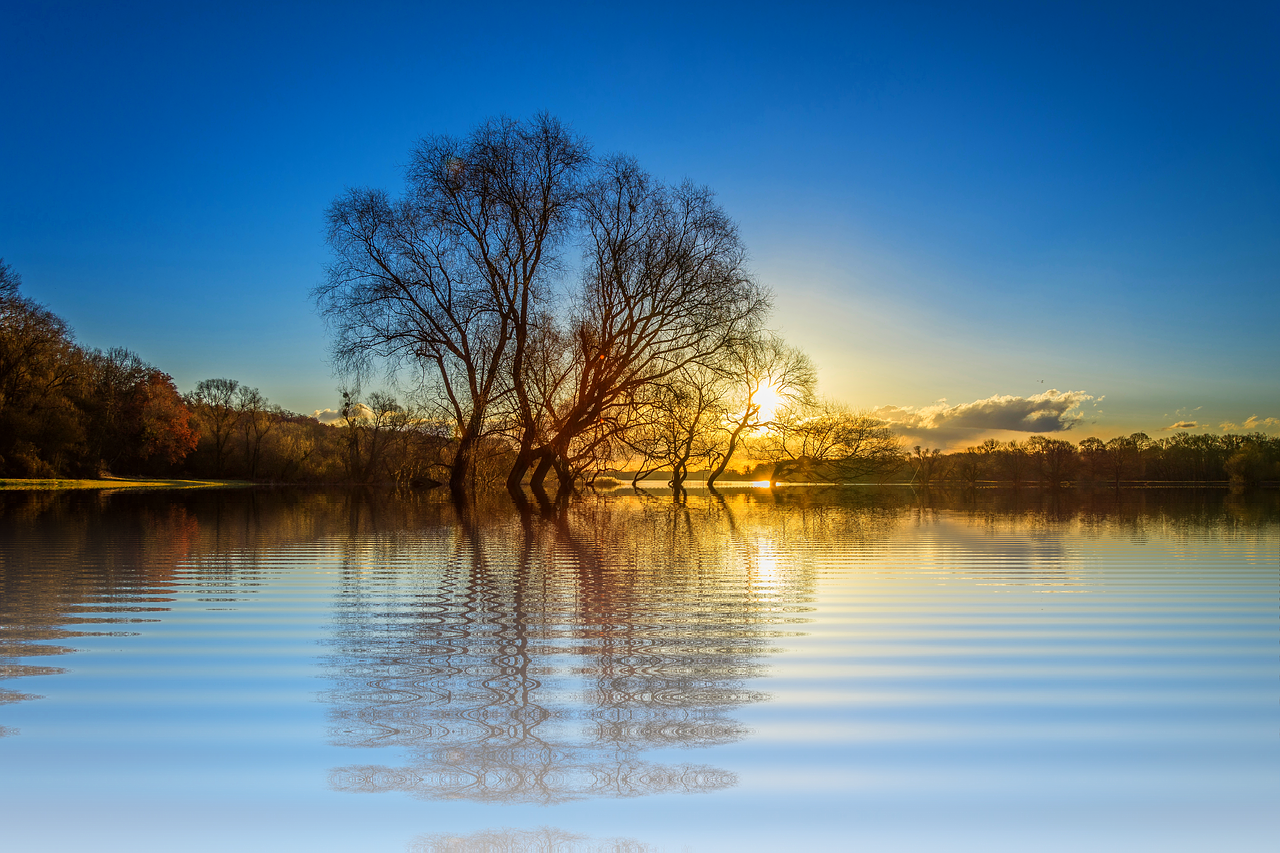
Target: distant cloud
{"x":1050,"y":411}
{"x":1252,"y":424}
{"x":1181,"y":425}
{"x":333,"y":416}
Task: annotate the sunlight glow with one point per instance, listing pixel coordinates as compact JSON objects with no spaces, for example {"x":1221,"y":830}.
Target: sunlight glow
{"x":769,"y":401}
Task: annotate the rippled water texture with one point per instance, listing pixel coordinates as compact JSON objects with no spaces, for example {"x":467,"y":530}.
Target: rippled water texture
{"x":805,"y":670}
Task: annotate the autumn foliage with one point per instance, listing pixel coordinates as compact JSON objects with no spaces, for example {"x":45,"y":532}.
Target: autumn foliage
{"x":69,"y":411}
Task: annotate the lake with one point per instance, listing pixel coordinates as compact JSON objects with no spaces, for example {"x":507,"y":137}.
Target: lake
{"x":804,"y":669}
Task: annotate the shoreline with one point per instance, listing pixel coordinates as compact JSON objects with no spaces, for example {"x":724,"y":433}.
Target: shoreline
{"x":58,"y":485}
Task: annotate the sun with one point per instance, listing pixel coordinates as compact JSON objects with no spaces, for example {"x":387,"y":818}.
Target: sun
{"x":769,"y":401}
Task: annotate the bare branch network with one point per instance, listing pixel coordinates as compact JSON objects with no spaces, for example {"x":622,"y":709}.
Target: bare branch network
{"x":651,"y":349}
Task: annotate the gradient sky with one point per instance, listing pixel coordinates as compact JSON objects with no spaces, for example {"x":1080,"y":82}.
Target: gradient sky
{"x":950,"y":204}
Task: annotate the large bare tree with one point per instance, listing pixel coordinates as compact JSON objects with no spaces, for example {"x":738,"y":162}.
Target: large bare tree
{"x":449,"y":277}
{"x":463,"y":279}
{"x":664,"y":288}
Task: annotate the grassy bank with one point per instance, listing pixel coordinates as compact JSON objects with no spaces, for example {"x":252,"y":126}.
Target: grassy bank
{"x":12,"y":485}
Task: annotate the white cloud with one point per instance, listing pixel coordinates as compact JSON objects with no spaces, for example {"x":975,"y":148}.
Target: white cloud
{"x":1050,"y":411}
{"x":1181,"y":425}
{"x":966,"y":423}
{"x":1253,"y":423}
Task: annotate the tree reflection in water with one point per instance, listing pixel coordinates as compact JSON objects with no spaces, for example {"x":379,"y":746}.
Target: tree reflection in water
{"x":523,"y":660}
{"x":545,"y":839}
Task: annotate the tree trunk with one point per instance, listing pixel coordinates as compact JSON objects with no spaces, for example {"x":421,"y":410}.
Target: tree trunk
{"x":642,"y":473}
{"x":728,"y":454}
{"x":538,"y":481}
{"x":564,"y":472}
{"x":521,"y":466}
{"x":679,"y":471}
{"x":461,"y":466}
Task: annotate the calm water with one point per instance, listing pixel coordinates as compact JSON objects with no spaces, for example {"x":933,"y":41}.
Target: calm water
{"x":822,"y":670}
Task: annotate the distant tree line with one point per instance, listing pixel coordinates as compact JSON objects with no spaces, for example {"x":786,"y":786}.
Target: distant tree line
{"x":245,"y":436}
{"x":1050,"y":462}
{"x":69,"y":411}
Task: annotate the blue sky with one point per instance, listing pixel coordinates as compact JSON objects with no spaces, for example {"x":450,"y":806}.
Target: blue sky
{"x":968,"y":204}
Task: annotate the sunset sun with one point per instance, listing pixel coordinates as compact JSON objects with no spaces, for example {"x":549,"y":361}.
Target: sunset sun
{"x":769,"y":401}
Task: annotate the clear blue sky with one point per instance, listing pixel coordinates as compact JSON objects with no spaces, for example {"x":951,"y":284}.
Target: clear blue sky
{"x":949,"y":202}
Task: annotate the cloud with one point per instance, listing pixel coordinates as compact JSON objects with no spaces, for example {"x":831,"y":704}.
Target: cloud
{"x":967,"y":423}
{"x":1181,"y":425}
{"x":1252,"y":424}
{"x":333,"y":416}
{"x":1050,"y":411}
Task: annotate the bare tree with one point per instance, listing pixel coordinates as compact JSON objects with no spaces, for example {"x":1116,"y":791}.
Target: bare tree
{"x":975,"y":462}
{"x":456,"y":280}
{"x":763,"y":366}
{"x":684,"y":415}
{"x":1124,"y":455}
{"x":449,"y":277}
{"x":10,"y":281}
{"x":1054,"y":459}
{"x":664,"y":288}
{"x":376,"y":435}
{"x":826,"y":442}
{"x":928,"y":465}
{"x":1014,"y":461}
{"x":214,"y":401}
{"x":257,"y":418}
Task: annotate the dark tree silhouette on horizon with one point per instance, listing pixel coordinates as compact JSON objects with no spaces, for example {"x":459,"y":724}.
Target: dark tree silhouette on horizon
{"x":462,"y":282}
{"x":450,"y":278}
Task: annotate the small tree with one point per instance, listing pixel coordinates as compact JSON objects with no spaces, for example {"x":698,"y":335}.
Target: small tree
{"x":928,"y":465}
{"x":826,"y":442}
{"x":766,"y":374}
{"x":684,"y":416}
{"x":214,"y":401}
{"x":1054,"y":458}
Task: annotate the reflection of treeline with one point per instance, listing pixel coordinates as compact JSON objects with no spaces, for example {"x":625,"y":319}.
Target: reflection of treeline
{"x":47,"y":597}
{"x":537,"y":661}
{"x":1181,"y":458}
{"x":588,"y":587}
{"x":545,"y":839}
{"x":79,"y":564}
{"x":1203,"y":510}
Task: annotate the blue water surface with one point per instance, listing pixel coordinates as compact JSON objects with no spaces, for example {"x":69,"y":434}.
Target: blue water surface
{"x":801,"y":669}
